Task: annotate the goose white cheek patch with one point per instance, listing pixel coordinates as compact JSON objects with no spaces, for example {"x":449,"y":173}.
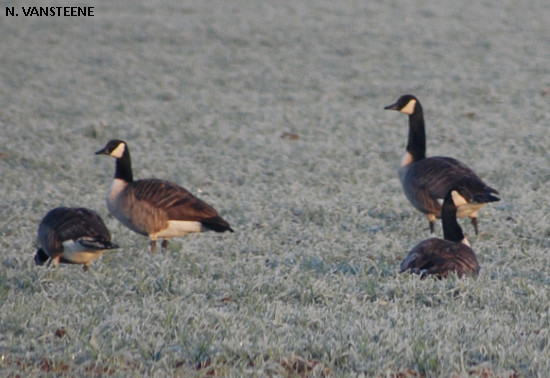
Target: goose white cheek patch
{"x":409,"y":108}
{"x":119,"y":151}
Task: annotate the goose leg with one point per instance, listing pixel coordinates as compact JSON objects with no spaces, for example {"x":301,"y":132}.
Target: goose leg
{"x":432,"y":224}
{"x":54,"y":261}
{"x":153,"y":245}
{"x":86,"y":266}
{"x":432,"y":218}
{"x":474,"y":223}
{"x":164,"y":244}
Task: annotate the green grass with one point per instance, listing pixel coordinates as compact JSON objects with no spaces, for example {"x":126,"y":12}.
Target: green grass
{"x":308,"y":285}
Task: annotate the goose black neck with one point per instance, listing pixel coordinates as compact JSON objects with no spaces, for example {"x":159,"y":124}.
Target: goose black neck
{"x":123,"y":167}
{"x":451,"y":228}
{"x":416,"y":145}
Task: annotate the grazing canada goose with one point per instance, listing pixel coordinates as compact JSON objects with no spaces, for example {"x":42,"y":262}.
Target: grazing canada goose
{"x":425,"y":180}
{"x":153,"y":207}
{"x":439,"y":257}
{"x":73,"y":236}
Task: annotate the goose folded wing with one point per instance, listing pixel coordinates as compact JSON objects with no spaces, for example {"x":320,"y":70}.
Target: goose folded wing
{"x":177,"y":202}
{"x":424,"y":258}
{"x":80,"y":222}
{"x":438,"y":174}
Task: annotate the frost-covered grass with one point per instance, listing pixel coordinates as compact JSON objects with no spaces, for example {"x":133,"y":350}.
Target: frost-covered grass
{"x":308,"y":283}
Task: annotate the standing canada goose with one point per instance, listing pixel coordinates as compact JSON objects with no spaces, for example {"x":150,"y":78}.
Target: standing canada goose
{"x":439,"y":257}
{"x":73,"y":236}
{"x":153,"y":207}
{"x":425,"y":180}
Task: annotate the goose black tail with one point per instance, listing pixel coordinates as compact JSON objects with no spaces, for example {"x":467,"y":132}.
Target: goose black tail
{"x":217,"y":224}
{"x":485,"y":197}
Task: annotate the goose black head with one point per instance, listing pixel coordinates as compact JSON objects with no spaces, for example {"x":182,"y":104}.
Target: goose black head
{"x":115,"y":148}
{"x":41,"y":257}
{"x":407,"y":104}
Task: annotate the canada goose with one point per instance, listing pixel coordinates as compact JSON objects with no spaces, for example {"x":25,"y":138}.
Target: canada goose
{"x":153,"y":207}
{"x":73,"y":236}
{"x":425,"y":180}
{"x":439,"y":257}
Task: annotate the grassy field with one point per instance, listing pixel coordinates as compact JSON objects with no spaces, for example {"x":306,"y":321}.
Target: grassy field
{"x":308,"y":284}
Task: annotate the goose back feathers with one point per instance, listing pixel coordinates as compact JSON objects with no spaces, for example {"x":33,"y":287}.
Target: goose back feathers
{"x":439,"y":257}
{"x":73,"y":236}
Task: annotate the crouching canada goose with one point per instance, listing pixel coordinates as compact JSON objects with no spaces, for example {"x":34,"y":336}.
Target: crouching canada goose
{"x":439,"y":257}
{"x":153,"y":207}
{"x":73,"y":236}
{"x":425,"y":180}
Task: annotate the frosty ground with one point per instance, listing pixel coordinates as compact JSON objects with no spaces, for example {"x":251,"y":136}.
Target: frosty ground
{"x":308,"y":284}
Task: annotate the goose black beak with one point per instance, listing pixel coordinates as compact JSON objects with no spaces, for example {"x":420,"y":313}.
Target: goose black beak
{"x":391,"y":107}
{"x":102,"y":151}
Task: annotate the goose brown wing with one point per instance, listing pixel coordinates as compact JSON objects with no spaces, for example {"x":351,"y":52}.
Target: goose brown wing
{"x":440,"y":257}
{"x":422,"y":256}
{"x":431,"y":179}
{"x":65,"y":223}
{"x":177,"y":202}
{"x":455,"y":257}
{"x":438,"y":174}
{"x":78,"y":222}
